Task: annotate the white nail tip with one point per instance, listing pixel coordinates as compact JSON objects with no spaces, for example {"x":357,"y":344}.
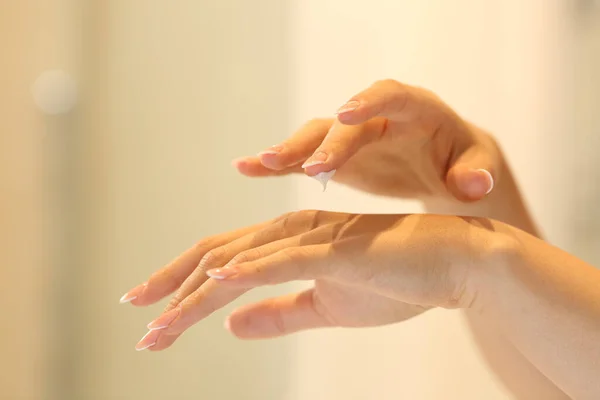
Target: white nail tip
{"x":158,"y":328}
{"x":145,"y":347}
{"x":312,"y":164}
{"x":267,"y":153}
{"x":324,"y":177}
{"x":491,"y":179}
{"x":126,"y":299}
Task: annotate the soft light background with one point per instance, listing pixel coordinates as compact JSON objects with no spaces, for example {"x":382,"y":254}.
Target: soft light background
{"x":171,"y":92}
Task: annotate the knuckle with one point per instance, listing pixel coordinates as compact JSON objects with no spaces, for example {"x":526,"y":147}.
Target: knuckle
{"x":204,"y":244}
{"x":293,"y":254}
{"x":174,"y":302}
{"x":280,"y":321}
{"x":321,"y":310}
{"x":387,"y":83}
{"x":282,"y":218}
{"x":213,"y":257}
{"x":294,"y":223}
{"x":247,"y":256}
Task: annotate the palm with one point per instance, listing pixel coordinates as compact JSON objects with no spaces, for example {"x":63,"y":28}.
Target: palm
{"x":395,"y":166}
{"x":355,"y":307}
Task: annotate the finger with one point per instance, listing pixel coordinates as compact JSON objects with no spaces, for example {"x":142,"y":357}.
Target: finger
{"x":212,"y":296}
{"x":166,"y":280}
{"x":278,"y":316}
{"x":252,"y":167}
{"x":156,"y":340}
{"x":473,"y":174}
{"x":268,"y":318}
{"x":298,"y":147}
{"x":389,"y":99}
{"x":341,"y":143}
{"x":287,"y":225}
{"x":163,"y":341}
{"x":288,"y":264}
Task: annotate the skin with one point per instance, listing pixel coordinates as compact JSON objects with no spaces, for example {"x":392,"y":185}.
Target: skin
{"x":534,"y":309}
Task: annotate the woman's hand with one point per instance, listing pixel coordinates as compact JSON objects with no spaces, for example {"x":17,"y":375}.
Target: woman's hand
{"x":392,"y":140}
{"x":368,"y":270}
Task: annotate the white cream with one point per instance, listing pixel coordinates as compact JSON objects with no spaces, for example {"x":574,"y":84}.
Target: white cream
{"x":324,"y":177}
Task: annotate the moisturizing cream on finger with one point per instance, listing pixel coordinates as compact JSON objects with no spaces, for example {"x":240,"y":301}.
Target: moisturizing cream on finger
{"x":324,"y":177}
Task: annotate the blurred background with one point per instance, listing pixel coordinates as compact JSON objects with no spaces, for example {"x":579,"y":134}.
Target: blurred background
{"x":95,"y":200}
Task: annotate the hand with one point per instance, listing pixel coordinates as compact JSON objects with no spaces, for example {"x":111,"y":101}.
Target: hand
{"x":368,"y":270}
{"x":392,"y":140}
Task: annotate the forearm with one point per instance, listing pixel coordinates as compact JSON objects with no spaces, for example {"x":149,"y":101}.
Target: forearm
{"x":504,"y":204}
{"x":547,"y":304}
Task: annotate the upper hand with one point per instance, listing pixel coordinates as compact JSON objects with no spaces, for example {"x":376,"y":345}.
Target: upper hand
{"x":393,"y":140}
{"x":368,"y":270}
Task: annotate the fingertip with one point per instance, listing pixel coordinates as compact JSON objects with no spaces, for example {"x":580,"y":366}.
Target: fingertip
{"x":354,"y":117}
{"x":239,"y":162}
{"x":273,"y":161}
{"x":251,"y":167}
{"x":235,"y":325}
{"x":474,"y":184}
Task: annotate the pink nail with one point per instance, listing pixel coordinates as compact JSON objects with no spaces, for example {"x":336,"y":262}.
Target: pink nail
{"x":227,"y":324}
{"x":164,"y":320}
{"x":222,"y":273}
{"x":148,"y":340}
{"x":236,"y":163}
{"x":273,"y":150}
{"x":348,"y":107}
{"x":133,"y":293}
{"x":316,"y":159}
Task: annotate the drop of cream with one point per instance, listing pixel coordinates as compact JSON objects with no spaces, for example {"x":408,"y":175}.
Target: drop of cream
{"x":324,"y":177}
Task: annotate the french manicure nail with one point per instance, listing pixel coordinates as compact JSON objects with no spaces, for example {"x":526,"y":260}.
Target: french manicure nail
{"x":490,"y":178}
{"x":164,"y":320}
{"x":324,"y":177}
{"x":316,"y":159}
{"x":222,"y":273}
{"x":271,"y":150}
{"x":127,"y":298}
{"x":133,"y":293}
{"x":148,"y":340}
{"x":348,"y":107}
{"x":236,"y":162}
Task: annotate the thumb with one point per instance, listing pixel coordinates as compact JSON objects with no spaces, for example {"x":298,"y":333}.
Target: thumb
{"x":473,"y":175}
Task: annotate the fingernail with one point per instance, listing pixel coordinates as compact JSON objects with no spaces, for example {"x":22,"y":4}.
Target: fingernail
{"x":227,"y":324}
{"x":148,"y":340}
{"x":316,"y":159}
{"x":348,"y":107}
{"x":164,"y":320}
{"x":236,"y":163}
{"x":271,"y":150}
{"x":490,"y":180}
{"x":133,"y":294}
{"x":222,"y":273}
{"x":324,"y":177}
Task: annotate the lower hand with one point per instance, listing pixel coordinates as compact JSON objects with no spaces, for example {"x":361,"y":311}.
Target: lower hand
{"x":368,"y":270}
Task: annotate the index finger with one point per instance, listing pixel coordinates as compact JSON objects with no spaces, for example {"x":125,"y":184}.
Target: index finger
{"x":388,"y":99}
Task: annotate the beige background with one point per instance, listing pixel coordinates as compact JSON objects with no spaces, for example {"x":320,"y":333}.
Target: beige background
{"x":170,"y":93}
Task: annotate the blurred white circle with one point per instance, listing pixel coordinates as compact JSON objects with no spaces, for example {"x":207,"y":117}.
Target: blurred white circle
{"x":55,"y":92}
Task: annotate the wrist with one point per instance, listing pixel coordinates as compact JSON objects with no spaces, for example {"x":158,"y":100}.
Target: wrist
{"x":501,"y":251}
